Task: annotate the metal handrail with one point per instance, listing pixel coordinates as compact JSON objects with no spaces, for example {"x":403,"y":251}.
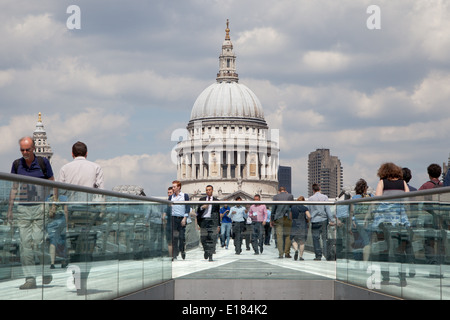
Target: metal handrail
{"x":56,"y":184}
{"x":72,"y":187}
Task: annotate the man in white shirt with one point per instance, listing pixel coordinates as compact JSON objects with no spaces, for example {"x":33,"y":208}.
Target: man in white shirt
{"x":208,"y":219}
{"x":88,"y":174}
{"x":80,"y":171}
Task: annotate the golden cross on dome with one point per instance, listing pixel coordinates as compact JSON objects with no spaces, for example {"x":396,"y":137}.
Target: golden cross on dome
{"x":227,"y":30}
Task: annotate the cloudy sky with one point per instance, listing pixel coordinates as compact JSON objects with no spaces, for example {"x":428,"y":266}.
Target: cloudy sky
{"x":128,"y":79}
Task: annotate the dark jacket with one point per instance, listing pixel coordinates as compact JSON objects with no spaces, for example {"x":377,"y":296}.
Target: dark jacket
{"x":281,"y":210}
{"x":215,"y":212}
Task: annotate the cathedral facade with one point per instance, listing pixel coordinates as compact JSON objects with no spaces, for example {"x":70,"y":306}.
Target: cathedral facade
{"x":228,"y":142}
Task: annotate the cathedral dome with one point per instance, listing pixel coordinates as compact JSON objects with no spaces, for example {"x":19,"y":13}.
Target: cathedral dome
{"x":227,"y":100}
{"x":228,"y":142}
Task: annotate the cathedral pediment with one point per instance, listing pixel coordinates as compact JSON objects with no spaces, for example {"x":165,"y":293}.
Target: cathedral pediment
{"x":245,"y":196}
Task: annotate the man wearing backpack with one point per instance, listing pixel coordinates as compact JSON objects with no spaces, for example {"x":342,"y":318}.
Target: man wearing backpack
{"x":29,"y":216}
{"x":434,"y":172}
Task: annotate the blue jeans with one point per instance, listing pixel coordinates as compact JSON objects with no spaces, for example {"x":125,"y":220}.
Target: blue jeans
{"x":257,"y":236}
{"x":225,"y":233}
{"x":319,"y":231}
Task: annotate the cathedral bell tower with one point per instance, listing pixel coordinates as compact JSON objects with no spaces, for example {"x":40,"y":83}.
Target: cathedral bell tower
{"x":227,"y":60}
{"x":42,"y":147}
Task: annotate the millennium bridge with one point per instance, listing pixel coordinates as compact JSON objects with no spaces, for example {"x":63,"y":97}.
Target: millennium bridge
{"x":113,"y":246}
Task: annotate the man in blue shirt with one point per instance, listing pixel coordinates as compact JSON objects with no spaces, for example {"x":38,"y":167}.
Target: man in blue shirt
{"x":179,"y":215}
{"x":238,"y":214}
{"x":29,"y":216}
{"x":30,"y":165}
{"x":321,"y":217}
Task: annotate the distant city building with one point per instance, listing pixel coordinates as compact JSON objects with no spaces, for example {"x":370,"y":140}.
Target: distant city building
{"x":445,"y":167}
{"x":130,"y":189}
{"x":5,"y":190}
{"x":326,"y":170}
{"x":43,"y":148}
{"x":228,"y":143}
{"x":285,"y":178}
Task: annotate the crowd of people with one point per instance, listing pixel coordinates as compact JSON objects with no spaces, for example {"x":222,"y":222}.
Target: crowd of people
{"x":286,"y":221}
{"x":289,"y":223}
{"x":255,"y":224}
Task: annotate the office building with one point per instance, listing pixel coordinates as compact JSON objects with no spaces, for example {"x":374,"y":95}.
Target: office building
{"x":326,"y":170}
{"x":285,"y":178}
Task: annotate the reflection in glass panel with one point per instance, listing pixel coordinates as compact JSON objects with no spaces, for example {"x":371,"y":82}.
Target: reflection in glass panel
{"x":26,"y":255}
{"x":398,"y":247}
{"x":132,"y":243}
{"x":76,"y":245}
{"x":156,"y":254}
{"x":65,"y":244}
